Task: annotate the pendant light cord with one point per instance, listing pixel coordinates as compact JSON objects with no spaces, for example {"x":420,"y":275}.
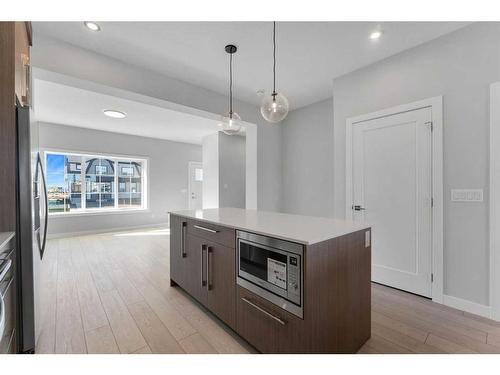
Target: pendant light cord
{"x":274,"y":60}
{"x":231,"y":85}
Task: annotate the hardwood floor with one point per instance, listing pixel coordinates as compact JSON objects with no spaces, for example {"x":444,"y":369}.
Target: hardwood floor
{"x":113,"y":295}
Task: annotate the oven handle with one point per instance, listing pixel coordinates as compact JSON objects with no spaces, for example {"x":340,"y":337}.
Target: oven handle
{"x":206,"y":229}
{"x":203,"y":281}
{"x":274,"y":317}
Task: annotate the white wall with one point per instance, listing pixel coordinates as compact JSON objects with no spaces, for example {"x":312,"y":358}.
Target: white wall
{"x":308,"y":160}
{"x":460,"y":66}
{"x":210,"y":151}
{"x":64,"y":58}
{"x":167,"y":170}
{"x":232,"y":171}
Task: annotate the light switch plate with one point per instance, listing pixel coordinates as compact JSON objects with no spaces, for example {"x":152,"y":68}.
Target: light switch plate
{"x":466,"y":195}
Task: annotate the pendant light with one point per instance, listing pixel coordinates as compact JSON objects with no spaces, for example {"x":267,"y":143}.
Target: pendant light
{"x":274,"y":107}
{"x":230,"y":121}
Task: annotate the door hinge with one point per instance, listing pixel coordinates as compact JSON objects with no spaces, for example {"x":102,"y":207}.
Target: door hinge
{"x":431,"y":124}
{"x":432,"y":277}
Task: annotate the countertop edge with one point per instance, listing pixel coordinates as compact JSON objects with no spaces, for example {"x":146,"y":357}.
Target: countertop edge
{"x":5,"y":237}
{"x":302,"y":242}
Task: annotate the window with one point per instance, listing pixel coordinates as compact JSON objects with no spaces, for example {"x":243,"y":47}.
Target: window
{"x":80,"y":183}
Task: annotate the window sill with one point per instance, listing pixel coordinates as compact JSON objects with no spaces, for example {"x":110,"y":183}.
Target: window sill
{"x":99,"y":213}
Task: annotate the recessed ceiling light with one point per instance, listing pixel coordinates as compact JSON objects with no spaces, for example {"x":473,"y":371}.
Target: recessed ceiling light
{"x":375,"y":35}
{"x":92,"y":26}
{"x":114,"y":114}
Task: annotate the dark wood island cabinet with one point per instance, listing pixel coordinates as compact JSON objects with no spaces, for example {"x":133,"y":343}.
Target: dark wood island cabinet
{"x":335,"y":288}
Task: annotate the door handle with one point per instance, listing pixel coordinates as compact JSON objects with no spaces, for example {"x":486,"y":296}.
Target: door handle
{"x":267,"y":313}
{"x":5,"y":268}
{"x":358,"y":208}
{"x":206,"y":229}
{"x":203,"y":281}
{"x":209,"y":266}
{"x":41,"y":244}
{"x":183,"y":240}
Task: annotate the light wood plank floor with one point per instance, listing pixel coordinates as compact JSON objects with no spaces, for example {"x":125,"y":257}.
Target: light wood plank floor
{"x":111,"y":294}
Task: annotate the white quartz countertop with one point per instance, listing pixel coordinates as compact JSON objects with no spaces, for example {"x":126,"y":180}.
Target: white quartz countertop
{"x":5,"y":237}
{"x":306,"y":230}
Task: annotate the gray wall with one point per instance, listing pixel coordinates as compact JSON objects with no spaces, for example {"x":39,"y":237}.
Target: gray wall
{"x":232,"y":171}
{"x":64,"y":58}
{"x":308,"y":160}
{"x":167,"y":172}
{"x":460,"y":66}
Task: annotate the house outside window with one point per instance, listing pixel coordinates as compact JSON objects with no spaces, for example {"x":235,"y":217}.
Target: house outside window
{"x":80,"y":183}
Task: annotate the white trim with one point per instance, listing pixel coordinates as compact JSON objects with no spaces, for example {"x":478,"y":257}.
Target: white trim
{"x":51,"y":236}
{"x":494,"y":201}
{"x":96,"y":212}
{"x":468,"y":306}
{"x":436,"y":105}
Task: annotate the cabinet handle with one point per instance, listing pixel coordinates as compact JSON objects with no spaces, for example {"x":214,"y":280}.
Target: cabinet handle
{"x":274,"y":317}
{"x":183,"y":240}
{"x":206,"y":229}
{"x":26,"y":98}
{"x":203,"y":281}
{"x":209,"y":270}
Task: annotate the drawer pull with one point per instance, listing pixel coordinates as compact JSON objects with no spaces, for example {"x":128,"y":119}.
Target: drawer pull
{"x":203,"y":281}
{"x":209,"y":268}
{"x":183,"y":240}
{"x":280,"y":321}
{"x":206,"y":229}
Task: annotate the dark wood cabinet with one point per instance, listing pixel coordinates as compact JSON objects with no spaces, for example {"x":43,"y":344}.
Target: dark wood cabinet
{"x":336,"y":285}
{"x":221,"y":282}
{"x":195,"y":282}
{"x":202,"y":262}
{"x":177,"y":249}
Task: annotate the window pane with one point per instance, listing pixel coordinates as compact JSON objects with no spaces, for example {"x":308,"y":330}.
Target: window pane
{"x":56,"y":184}
{"x":76,"y":181}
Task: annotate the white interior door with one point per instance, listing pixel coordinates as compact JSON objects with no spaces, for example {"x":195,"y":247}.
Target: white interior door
{"x":392,"y":190}
{"x":195,"y":186}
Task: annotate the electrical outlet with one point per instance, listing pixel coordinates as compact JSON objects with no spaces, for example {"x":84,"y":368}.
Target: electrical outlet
{"x":466,"y":195}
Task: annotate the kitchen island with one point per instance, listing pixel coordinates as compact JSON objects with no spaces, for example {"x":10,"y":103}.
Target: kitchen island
{"x":285,"y":283}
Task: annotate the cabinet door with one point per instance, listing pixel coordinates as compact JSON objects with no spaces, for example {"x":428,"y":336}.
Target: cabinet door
{"x":22,"y":62}
{"x":221,"y":282}
{"x":177,"y":249}
{"x":195,"y":269}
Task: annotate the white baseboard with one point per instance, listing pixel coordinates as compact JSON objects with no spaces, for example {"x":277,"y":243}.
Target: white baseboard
{"x":468,"y":306}
{"x":107,"y":230}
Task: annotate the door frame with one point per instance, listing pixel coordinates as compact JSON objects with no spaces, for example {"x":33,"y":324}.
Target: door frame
{"x":191,"y":163}
{"x":436,"y":105}
{"x":494,"y":201}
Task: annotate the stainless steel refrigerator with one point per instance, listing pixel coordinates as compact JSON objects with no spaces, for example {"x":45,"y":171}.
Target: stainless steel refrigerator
{"x":32,"y":223}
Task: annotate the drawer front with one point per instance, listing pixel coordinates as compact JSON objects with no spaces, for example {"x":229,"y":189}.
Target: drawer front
{"x":8,"y":291}
{"x":269,"y":328}
{"x":221,"y":235}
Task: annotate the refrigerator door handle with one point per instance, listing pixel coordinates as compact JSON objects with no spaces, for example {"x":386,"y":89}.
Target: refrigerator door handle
{"x":41,"y":244}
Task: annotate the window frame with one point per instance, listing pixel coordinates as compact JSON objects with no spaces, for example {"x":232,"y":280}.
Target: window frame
{"x":116,"y":158}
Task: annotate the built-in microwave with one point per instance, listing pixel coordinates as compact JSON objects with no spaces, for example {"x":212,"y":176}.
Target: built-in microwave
{"x":271,"y":268}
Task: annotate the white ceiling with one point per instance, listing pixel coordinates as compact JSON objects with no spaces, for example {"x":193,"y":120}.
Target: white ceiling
{"x":309,"y":54}
{"x":66,"y":105}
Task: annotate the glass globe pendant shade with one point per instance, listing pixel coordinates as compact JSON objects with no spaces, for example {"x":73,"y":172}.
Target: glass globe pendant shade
{"x":274,"y":107}
{"x":230,"y":124}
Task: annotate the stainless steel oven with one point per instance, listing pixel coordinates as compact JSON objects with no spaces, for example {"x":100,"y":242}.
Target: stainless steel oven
{"x":271,"y":268}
